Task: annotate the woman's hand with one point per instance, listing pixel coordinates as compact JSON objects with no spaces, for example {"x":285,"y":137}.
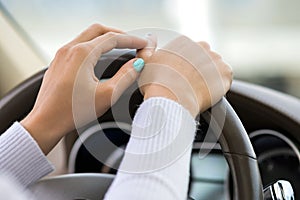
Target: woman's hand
{"x":186,"y":72}
{"x":73,"y":68}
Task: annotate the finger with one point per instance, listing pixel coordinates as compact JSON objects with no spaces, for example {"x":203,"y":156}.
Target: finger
{"x":92,"y":32}
{"x":111,"y":40}
{"x":204,"y":44}
{"x":148,"y":51}
{"x":88,"y":53}
{"x":213,"y":55}
{"x":124,"y":78}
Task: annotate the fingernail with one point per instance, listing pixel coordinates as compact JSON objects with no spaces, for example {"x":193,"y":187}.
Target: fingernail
{"x":138,"y":65}
{"x":148,"y":35}
{"x":152,"y":39}
{"x":103,"y":80}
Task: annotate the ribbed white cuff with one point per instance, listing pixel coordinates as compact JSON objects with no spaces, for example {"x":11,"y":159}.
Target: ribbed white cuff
{"x":21,"y":157}
{"x":157,"y":157}
{"x":162,"y":131}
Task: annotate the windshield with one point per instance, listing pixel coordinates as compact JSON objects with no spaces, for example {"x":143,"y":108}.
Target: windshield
{"x":260,"y":39}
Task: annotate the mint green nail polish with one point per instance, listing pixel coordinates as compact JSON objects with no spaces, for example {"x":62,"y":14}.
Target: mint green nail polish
{"x":138,"y":65}
{"x":103,"y":80}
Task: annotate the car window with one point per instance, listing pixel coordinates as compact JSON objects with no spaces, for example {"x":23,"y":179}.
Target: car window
{"x":260,"y":39}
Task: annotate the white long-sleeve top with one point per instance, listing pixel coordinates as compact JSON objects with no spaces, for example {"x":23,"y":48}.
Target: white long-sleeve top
{"x":155,"y":164}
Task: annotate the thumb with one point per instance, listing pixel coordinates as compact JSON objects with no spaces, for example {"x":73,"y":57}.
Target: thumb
{"x":124,"y":78}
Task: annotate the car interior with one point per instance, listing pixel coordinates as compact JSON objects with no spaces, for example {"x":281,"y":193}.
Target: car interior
{"x":252,"y":154}
{"x":247,"y":146}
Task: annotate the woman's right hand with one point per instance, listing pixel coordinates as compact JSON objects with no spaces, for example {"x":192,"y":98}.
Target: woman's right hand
{"x":71,"y":95}
{"x":186,"y":72}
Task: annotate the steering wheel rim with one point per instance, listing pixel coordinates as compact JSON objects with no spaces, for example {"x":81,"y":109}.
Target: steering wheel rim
{"x":238,"y":151}
{"x":234,"y":140}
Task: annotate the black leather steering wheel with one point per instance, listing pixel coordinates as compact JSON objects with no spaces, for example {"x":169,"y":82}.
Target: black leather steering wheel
{"x":238,"y":151}
{"x":234,"y":140}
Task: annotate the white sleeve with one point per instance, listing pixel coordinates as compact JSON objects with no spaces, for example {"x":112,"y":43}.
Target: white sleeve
{"x":21,"y":157}
{"x":12,"y":190}
{"x":157,"y":157}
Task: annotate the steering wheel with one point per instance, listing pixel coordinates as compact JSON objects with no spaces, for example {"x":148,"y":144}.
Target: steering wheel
{"x":234,"y":140}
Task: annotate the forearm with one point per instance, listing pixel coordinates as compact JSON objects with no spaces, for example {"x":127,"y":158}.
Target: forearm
{"x":21,"y":157}
{"x":157,"y":157}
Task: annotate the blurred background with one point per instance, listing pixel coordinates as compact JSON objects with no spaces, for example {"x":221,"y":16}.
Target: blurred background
{"x":260,"y":39}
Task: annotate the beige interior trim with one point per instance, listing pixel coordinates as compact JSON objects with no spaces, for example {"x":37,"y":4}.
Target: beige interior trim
{"x":17,"y":58}
{"x":18,"y":61}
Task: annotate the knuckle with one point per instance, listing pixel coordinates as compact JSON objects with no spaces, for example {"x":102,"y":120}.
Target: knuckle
{"x":79,"y":50}
{"x":108,"y":88}
{"x":111,"y":37}
{"x":104,"y":92}
{"x":97,"y":27}
{"x":63,"y":50}
{"x":228,"y":75}
{"x":204,"y":45}
{"x":229,"y":70}
{"x":183,"y":38}
{"x":110,"y":34}
{"x":130,"y":74}
{"x":215,"y":55}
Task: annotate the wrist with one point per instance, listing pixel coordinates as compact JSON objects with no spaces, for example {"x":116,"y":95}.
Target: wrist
{"x":45,"y":136}
{"x":159,"y":91}
{"x":186,"y":101}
